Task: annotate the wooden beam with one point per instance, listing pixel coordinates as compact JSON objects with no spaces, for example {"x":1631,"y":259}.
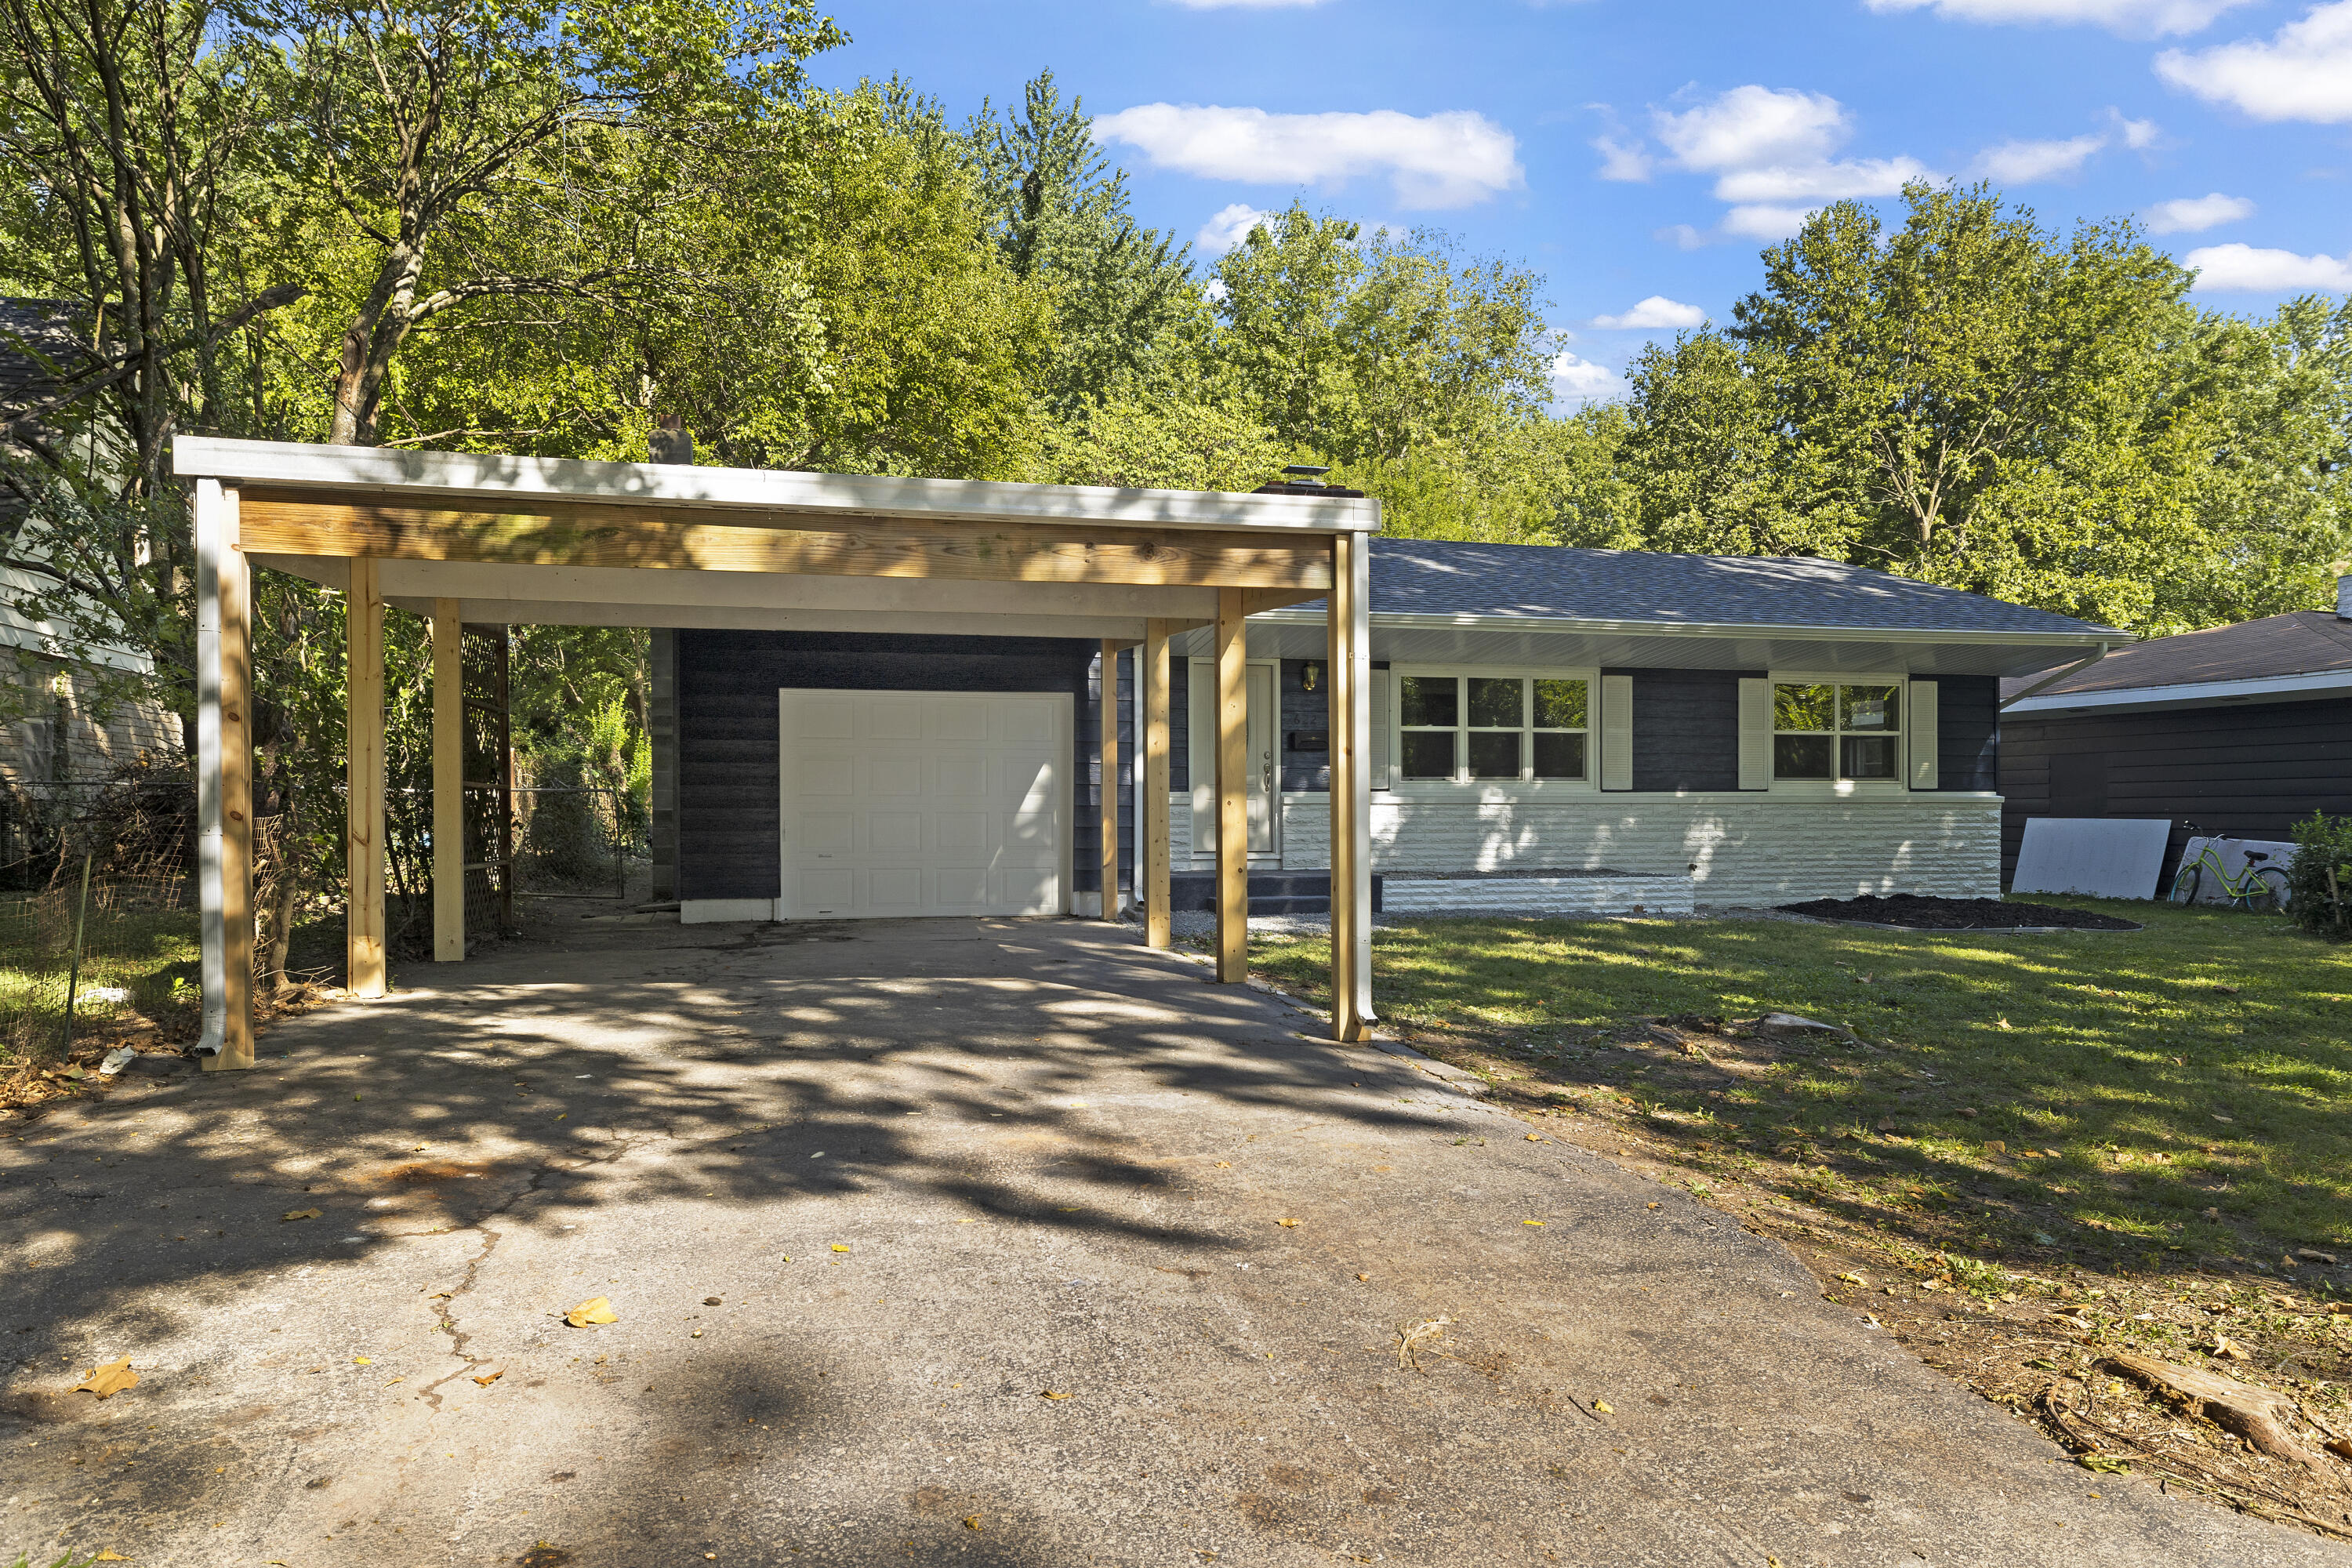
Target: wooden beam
{"x":1233,"y":787}
{"x":236,"y":797}
{"x":1154,"y":825}
{"x":363,"y":939}
{"x":642,"y":536}
{"x":448,"y":782}
{"x":1351,"y":801}
{"x":1108,"y":797}
{"x":1258,"y":599}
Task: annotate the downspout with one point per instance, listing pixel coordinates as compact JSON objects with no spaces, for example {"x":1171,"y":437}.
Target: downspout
{"x":2053,"y":679}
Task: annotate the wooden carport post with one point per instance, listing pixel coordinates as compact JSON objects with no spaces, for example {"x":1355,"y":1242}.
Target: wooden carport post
{"x":364,"y":968}
{"x":1232,"y":787}
{"x":1153,"y":669}
{"x":449,"y":782}
{"x":1106,"y":706}
{"x":225,"y":777}
{"x":1349,"y":639}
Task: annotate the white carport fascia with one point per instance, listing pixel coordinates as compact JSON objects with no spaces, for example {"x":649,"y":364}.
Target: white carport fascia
{"x":515,"y":482}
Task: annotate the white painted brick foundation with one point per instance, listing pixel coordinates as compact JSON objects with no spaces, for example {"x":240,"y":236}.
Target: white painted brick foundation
{"x":1736,"y":849}
{"x":1537,"y":896}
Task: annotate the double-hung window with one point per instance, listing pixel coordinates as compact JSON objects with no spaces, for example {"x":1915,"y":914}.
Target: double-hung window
{"x":1472,"y":728}
{"x":1836,"y":732}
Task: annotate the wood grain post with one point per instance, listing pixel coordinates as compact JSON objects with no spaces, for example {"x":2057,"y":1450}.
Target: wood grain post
{"x":363,"y":955}
{"x":1108,"y":708}
{"x":448,"y":782}
{"x":1233,"y":788}
{"x":1351,"y":846}
{"x":1154,"y":826}
{"x":236,"y":587}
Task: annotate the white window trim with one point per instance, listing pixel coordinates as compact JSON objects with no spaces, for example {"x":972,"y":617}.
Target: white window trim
{"x":1458,"y":788}
{"x":1847,"y":789}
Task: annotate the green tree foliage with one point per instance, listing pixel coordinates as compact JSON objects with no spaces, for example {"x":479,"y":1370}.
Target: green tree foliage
{"x":1123,"y":296}
{"x":1966,"y":398}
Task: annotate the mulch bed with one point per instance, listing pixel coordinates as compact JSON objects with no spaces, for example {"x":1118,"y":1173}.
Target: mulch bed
{"x":1914,"y":912}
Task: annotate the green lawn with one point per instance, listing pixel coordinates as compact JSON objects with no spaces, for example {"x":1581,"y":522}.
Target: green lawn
{"x":2146,"y":1095}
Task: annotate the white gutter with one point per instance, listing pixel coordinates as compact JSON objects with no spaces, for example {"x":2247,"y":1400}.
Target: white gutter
{"x":2317,"y":683}
{"x":2056,"y":676}
{"x":395,"y":476}
{"x":2099,"y":637}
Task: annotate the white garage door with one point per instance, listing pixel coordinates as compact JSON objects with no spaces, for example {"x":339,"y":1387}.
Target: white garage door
{"x":925,"y":803}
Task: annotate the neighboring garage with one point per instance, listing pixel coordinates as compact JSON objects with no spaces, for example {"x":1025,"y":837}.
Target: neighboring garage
{"x":925,"y":803}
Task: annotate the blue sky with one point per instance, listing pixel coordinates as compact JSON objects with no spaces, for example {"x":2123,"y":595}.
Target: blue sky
{"x":1639,"y":154}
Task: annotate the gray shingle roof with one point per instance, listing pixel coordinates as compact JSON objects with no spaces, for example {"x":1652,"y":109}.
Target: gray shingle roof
{"x":1433,"y":577}
{"x":2303,"y":642}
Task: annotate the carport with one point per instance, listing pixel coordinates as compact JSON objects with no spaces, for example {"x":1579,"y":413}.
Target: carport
{"x":470,"y":538}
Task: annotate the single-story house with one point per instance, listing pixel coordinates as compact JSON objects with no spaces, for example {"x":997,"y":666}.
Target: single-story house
{"x":2241,"y":730}
{"x":1750,"y":730}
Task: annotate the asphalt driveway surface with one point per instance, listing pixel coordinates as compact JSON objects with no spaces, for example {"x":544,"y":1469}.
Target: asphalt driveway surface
{"x":946,"y":1242}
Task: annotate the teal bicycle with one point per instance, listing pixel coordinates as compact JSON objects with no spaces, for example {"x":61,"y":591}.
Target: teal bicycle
{"x":2261,"y":887}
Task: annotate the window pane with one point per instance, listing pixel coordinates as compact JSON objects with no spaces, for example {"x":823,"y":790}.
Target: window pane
{"x":1804,"y":708}
{"x":1560,"y":705}
{"x":1872,"y":708}
{"x":1559,"y":756}
{"x":1497,"y":704}
{"x":1801,"y":756}
{"x":1428,"y":754}
{"x":1869,"y":756}
{"x":1494,"y":754}
{"x":1432,"y":699}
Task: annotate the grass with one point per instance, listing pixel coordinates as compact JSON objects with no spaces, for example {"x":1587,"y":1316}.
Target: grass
{"x":136,"y":977}
{"x":2147,"y":1130}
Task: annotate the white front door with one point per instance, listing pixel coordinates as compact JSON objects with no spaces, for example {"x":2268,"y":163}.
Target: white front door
{"x":1265,"y":764}
{"x":925,"y":803}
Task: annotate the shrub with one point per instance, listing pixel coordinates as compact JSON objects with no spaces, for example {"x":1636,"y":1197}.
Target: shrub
{"x":2319,"y":883}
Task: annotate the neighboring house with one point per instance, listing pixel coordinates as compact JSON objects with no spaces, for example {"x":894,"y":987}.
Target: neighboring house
{"x":2242,"y":729}
{"x":1766,"y":729}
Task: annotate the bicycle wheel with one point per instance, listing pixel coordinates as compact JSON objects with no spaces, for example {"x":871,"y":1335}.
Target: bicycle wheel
{"x":2266,"y":890}
{"x":2191,"y":876}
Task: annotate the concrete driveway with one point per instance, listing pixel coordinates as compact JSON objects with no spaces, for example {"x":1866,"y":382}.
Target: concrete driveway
{"x":970,"y":1242}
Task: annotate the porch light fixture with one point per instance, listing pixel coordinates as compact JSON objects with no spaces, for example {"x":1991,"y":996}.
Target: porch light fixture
{"x":1311,"y":676}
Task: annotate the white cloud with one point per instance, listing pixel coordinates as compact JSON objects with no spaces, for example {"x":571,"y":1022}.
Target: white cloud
{"x":1820,"y":182}
{"x":1755,"y":127}
{"x":2022,"y":162}
{"x":1230,"y":225}
{"x":1583,"y":380}
{"x":2241,"y":267}
{"x":2188,"y":214}
{"x":1681,"y":236}
{"x":1448,"y":160}
{"x":1762,"y":222}
{"x":1627,"y":161}
{"x":1655,"y":313}
{"x":2138,"y":18}
{"x":2303,"y":72}
{"x":2138,"y":135}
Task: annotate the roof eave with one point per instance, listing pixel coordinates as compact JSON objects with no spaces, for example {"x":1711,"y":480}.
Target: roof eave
{"x":2088,"y":637}
{"x":2193,"y":693}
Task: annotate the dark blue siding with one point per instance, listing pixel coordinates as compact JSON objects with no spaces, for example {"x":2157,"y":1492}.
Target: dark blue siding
{"x":1967,"y":733}
{"x":1685,"y":727}
{"x":727,"y":751}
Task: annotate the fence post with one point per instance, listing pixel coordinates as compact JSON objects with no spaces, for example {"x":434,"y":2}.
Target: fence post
{"x":73,"y":969}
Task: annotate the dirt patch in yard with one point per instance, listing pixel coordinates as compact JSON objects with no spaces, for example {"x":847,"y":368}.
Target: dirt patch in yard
{"x":1914,"y":912}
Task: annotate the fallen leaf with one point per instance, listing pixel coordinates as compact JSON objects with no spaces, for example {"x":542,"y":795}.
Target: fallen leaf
{"x":595,"y":1310}
{"x":1363,"y":1277}
{"x":1654,"y":1205}
{"x":1049,"y":1393}
{"x":2228,"y":1349}
{"x":971,"y":1521}
{"x":362,"y":1361}
{"x":2315,"y":1256}
{"x":1533,"y":1139}
{"x":299,"y":1213}
{"x":2213,"y":1214}
{"x":110,"y":1557}
{"x":1534,"y":1222}
{"x":2219,"y":1117}
{"x":491,"y":1376}
{"x":712,"y":1301}
{"x":1225,"y":1164}
{"x":112,"y":1378}
{"x":838,"y":1247}
{"x":1603,"y":1407}
{"x":1288,"y":1224}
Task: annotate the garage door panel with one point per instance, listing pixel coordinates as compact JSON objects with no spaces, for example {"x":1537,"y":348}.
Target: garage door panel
{"x":935,"y":804}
